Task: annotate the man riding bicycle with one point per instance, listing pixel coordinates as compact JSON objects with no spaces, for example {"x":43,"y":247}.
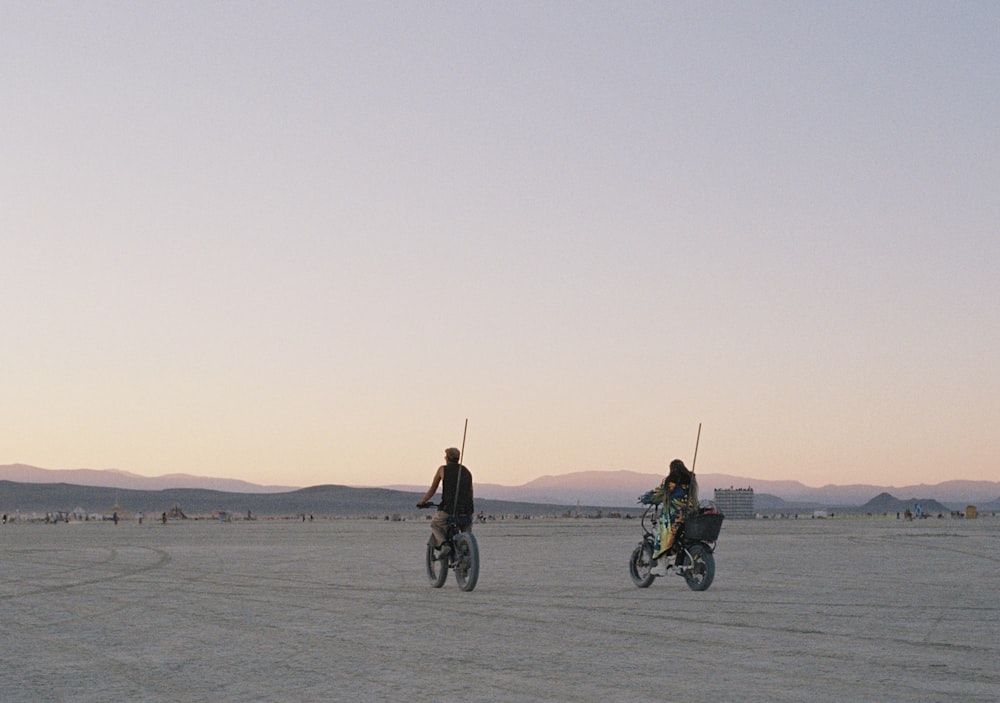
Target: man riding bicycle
{"x":456,"y":499}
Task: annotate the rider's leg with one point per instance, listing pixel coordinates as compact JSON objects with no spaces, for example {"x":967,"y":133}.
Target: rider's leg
{"x":439,"y":529}
{"x":670,"y":519}
{"x":667,"y":535}
{"x":661,"y":539}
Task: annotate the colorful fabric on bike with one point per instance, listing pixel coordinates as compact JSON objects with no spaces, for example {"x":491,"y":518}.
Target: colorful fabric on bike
{"x":672,"y":514}
{"x":675,"y":506}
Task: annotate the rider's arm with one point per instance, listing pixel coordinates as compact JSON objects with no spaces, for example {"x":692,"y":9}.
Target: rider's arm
{"x":660,"y":493}
{"x":438,"y":475}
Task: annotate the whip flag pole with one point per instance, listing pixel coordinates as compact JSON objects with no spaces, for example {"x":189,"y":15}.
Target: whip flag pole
{"x":696,"y":441}
{"x":461,"y":453}
{"x":693,"y":492}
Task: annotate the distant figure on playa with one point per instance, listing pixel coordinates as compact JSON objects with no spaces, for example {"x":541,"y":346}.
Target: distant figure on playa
{"x":456,"y":498}
{"x":677,"y":491}
{"x":114,"y":517}
{"x":164,"y":518}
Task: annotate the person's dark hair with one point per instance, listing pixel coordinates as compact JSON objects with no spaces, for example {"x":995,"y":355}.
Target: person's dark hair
{"x":679,"y":473}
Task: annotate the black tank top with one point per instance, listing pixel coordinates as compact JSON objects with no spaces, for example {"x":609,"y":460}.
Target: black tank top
{"x":451,"y":477}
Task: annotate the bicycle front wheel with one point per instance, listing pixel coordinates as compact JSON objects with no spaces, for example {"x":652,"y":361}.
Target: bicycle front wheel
{"x":437,"y":569}
{"x":640,"y":565}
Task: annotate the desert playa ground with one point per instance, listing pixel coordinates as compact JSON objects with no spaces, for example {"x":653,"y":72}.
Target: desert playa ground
{"x":864,"y":609}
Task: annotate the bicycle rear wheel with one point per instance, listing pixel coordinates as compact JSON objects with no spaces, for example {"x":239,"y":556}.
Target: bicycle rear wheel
{"x":466,"y":561}
{"x":698,"y":567}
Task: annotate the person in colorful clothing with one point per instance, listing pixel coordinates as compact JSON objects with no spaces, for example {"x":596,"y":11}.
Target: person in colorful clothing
{"x":676,"y":492}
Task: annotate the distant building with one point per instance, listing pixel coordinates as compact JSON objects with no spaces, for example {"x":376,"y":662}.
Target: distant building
{"x":735,"y":503}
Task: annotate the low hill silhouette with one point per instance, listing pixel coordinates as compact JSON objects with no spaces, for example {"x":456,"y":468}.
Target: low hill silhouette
{"x":327,"y":500}
{"x":116,"y":478}
{"x":884,"y":503}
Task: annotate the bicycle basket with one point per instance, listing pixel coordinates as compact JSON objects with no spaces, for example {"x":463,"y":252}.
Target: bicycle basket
{"x":703,"y":527}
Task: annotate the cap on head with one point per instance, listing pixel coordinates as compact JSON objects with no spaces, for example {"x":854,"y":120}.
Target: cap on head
{"x":452,"y":454}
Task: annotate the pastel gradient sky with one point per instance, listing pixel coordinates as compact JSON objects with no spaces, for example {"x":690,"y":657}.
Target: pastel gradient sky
{"x":300,"y":243}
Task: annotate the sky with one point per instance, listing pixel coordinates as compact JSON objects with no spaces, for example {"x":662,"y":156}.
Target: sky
{"x":300,"y":243}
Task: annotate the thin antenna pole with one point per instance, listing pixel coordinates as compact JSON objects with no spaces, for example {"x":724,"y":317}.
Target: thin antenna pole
{"x":461,"y":452}
{"x":696,"y":441}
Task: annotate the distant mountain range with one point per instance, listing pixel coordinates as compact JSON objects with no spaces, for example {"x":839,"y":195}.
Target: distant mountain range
{"x":621,"y":488}
{"x":588,"y":488}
